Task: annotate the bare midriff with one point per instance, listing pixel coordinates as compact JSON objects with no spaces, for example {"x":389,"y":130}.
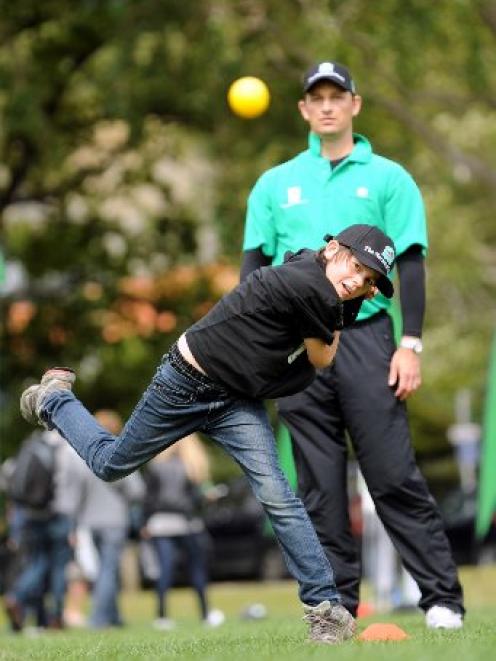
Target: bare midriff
{"x":185,"y":352}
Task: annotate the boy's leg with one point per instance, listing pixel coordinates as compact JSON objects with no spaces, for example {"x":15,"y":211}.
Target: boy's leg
{"x":244,"y":431}
{"x":167,"y":411}
{"x":314,"y":420}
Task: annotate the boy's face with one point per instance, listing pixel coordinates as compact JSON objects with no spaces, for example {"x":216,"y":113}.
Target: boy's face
{"x":349,"y":277}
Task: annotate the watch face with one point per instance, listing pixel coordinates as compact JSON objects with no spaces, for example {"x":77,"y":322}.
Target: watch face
{"x":413,"y":344}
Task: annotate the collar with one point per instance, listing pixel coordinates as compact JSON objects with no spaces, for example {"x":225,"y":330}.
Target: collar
{"x":361,"y":153}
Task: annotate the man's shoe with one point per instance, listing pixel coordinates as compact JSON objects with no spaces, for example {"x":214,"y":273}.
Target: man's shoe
{"x":442,"y":617}
{"x":214,"y":618}
{"x":163,"y":624}
{"x":56,"y":623}
{"x":329,"y":623}
{"x":57,"y":378}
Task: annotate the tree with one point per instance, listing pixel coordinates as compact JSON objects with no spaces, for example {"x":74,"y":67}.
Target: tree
{"x":122,"y":171}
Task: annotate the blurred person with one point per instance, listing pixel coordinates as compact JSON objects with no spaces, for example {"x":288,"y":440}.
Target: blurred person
{"x":393,"y":587}
{"x":46,"y":540}
{"x":174,"y":524}
{"x":338,"y":181}
{"x":81,"y":574}
{"x":102,"y":513}
{"x":11,"y":526}
{"x":264,"y":339}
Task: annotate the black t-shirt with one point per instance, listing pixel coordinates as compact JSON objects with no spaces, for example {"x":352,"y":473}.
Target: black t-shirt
{"x":251,"y":341}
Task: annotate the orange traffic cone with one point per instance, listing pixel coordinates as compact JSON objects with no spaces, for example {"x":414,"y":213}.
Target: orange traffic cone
{"x":382,"y":631}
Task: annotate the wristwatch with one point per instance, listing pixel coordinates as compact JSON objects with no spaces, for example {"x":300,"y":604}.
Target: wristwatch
{"x":413,"y":343}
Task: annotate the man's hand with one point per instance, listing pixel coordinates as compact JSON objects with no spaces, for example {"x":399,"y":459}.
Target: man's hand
{"x":404,"y":372}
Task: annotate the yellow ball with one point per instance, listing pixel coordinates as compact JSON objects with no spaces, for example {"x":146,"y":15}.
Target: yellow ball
{"x":248,"y":97}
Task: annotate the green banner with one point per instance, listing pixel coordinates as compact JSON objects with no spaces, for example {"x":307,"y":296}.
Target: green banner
{"x":486,"y":505}
{"x":285,"y":450}
{"x":286,"y":462}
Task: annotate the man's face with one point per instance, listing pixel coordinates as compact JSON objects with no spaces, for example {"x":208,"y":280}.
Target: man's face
{"x":329,"y":109}
{"x":349,"y":277}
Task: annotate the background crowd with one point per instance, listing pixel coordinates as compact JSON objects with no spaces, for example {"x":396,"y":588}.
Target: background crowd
{"x":65,"y":548}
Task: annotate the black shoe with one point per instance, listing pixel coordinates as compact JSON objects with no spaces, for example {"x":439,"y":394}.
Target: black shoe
{"x":14,"y":613}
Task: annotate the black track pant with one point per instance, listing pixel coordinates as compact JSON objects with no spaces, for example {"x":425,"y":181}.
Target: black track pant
{"x":353,"y":395}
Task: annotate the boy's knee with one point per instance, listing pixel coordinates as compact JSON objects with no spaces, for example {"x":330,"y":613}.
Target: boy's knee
{"x":275,"y":497}
{"x":104,"y":472}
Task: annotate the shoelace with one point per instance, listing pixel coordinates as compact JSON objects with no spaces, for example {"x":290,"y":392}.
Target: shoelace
{"x":325,"y":624}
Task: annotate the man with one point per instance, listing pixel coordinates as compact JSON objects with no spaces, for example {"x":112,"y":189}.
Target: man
{"x":336,"y":182}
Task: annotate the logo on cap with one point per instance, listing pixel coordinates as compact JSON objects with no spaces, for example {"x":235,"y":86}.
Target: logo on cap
{"x":386,"y":258}
{"x":326,"y":69}
{"x":332,"y":71}
{"x":388,"y":255}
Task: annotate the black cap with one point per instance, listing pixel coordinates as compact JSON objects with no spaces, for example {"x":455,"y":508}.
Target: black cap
{"x":332,"y":71}
{"x":372,"y":248}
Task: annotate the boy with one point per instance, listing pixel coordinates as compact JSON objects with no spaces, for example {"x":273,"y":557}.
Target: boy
{"x":262,"y":340}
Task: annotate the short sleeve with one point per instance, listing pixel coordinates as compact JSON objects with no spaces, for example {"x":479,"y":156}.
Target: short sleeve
{"x":404,"y":214}
{"x":311,"y":321}
{"x":315,"y":310}
{"x":260,"y":223}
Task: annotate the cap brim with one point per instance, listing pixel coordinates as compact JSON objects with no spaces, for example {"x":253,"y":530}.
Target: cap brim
{"x":325,"y":76}
{"x":385,"y":286}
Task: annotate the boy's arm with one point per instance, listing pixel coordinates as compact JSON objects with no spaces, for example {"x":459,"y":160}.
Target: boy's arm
{"x":319,"y":353}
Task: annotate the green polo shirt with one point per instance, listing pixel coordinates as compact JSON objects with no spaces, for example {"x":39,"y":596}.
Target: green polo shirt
{"x":293,"y":205}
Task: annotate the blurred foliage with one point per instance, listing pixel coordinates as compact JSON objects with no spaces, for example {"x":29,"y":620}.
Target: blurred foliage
{"x":124,"y":176}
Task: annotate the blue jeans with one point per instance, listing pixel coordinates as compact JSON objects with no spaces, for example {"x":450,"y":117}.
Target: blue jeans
{"x":195,"y":548}
{"x":47,"y":542}
{"x":179,"y":401}
{"x":109,"y":543}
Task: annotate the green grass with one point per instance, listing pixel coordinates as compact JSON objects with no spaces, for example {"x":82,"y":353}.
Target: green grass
{"x":280,"y":636}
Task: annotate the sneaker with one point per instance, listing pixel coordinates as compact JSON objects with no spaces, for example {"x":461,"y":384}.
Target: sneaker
{"x":329,"y":623}
{"x":442,"y":617}
{"x":214,"y":618}
{"x":57,"y":378}
{"x":164,"y":624}
{"x":74,"y":619}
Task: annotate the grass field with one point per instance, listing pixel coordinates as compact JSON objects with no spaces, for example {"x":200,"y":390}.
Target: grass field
{"x":280,"y":636}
